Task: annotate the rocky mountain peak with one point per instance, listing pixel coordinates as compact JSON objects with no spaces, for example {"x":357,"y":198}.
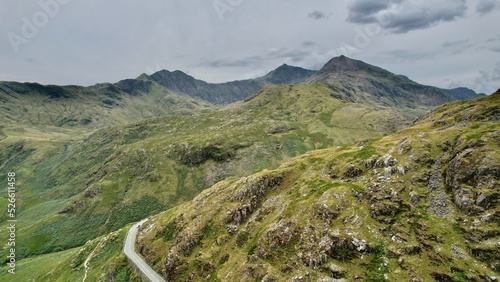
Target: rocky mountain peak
{"x":342,"y":66}
{"x":285,"y":74}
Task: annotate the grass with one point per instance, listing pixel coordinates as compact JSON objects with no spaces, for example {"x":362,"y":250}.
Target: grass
{"x":79,"y":183}
{"x":68,"y":265}
{"x":292,"y":221}
{"x":40,"y":264}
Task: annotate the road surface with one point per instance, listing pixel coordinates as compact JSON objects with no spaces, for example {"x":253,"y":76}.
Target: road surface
{"x":129,"y":250}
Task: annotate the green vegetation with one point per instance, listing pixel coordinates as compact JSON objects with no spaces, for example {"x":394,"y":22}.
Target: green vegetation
{"x":98,"y":158}
{"x":121,"y":174}
{"x":105,"y":261}
{"x":380,"y":223}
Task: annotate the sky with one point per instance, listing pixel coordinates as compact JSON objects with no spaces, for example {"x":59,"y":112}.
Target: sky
{"x":444,"y":43}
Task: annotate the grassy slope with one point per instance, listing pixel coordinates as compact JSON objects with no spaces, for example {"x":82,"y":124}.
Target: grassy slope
{"x":44,"y":107}
{"x":105,"y":263}
{"x":332,"y":213}
{"x":75,"y":191}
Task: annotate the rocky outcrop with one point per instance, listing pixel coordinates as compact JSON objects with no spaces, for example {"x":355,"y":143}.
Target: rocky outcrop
{"x":473,"y":176}
{"x":352,"y":171}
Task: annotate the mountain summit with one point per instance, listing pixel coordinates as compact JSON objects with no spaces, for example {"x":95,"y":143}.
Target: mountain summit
{"x":286,"y":74}
{"x":343,"y":66}
{"x":364,"y":82}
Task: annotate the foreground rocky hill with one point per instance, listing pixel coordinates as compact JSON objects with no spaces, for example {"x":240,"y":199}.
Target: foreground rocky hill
{"x":420,"y":205}
{"x":75,"y":191}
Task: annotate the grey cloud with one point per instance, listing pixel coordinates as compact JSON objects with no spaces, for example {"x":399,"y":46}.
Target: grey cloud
{"x":317,"y":15}
{"x":397,"y":55}
{"x":230,"y":63}
{"x":282,"y":54}
{"x":495,"y":49}
{"x":401,"y":16}
{"x":308,"y":43}
{"x":486,"y":6}
{"x":493,"y":39}
{"x":448,"y":43}
{"x":488,"y":79}
{"x":365,"y":11}
{"x":457,"y":47}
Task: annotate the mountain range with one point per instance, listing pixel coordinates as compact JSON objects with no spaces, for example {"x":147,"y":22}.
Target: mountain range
{"x":94,"y":159}
{"x":166,"y":92}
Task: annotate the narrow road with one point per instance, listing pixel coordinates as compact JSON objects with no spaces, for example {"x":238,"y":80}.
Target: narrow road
{"x":129,"y":250}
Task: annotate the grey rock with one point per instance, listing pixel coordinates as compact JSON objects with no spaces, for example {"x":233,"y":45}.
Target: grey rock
{"x":388,"y":172}
{"x":352,"y":171}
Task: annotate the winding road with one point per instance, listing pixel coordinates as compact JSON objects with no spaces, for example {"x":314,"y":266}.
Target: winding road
{"x":141,"y":265}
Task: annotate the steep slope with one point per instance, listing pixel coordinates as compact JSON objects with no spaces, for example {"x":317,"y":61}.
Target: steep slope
{"x":215,"y":93}
{"x":420,"y":205}
{"x":77,"y":190}
{"x":363,"y":82}
{"x":127,"y":101}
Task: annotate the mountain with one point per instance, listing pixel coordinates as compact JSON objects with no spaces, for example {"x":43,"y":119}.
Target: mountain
{"x":97,"y":183}
{"x":90,"y":178}
{"x":420,"y":205}
{"x":81,"y":187}
{"x":229,"y":92}
{"x":363,"y":82}
{"x":105,"y":104}
{"x":215,"y":93}
{"x":165,"y":92}
{"x":286,"y":74}
{"x":462,"y":93}
{"x":127,"y":101}
{"x":146,"y":148}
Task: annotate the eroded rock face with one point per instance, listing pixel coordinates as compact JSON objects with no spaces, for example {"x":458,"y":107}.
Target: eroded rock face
{"x":473,"y":178}
{"x":352,"y":171}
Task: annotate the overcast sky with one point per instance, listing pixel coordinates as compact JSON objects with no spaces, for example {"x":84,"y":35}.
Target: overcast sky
{"x":446,"y":43}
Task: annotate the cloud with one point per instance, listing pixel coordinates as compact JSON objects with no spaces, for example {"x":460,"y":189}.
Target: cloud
{"x":279,"y":54}
{"x":402,"y":16}
{"x":317,"y":15}
{"x":493,"y":44}
{"x":308,"y":43}
{"x":448,"y":43}
{"x":397,"y":55}
{"x":458,"y":46}
{"x":366,"y":11}
{"x":495,"y":49}
{"x":489,"y":79}
{"x":486,"y":6}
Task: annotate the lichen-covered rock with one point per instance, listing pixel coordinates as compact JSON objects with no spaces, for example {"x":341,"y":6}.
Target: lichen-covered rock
{"x":472,"y":177}
{"x":255,"y":186}
{"x":352,"y":171}
{"x":276,"y":236}
{"x":386,"y":160}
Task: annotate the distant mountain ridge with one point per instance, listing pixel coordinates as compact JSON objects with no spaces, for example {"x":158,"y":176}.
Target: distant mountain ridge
{"x":227,"y":92}
{"x":364,"y":82}
{"x":174,"y":92}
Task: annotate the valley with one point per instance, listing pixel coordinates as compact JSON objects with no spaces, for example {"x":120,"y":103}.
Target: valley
{"x":92,"y":160}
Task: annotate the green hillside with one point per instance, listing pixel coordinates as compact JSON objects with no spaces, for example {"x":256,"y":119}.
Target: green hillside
{"x":77,"y":190}
{"x":37,"y":106}
{"x":90,"y":160}
{"x":420,"y":205}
